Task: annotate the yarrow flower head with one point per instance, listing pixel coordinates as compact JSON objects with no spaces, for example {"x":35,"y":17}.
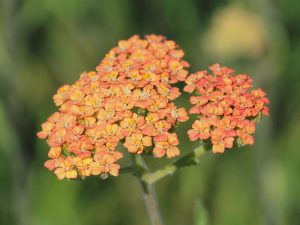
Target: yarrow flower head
{"x":226,"y":106}
{"x":127,"y":99}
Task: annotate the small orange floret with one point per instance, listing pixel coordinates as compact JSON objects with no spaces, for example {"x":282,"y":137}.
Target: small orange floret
{"x":167,"y":146}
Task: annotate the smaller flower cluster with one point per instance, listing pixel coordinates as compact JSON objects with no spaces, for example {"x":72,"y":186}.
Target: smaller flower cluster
{"x":226,"y":106}
{"x":128,"y":99}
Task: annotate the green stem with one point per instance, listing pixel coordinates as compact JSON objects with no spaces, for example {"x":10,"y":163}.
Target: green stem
{"x":191,"y":158}
{"x":149,"y":193}
{"x":147,"y":178}
{"x":150,"y":199}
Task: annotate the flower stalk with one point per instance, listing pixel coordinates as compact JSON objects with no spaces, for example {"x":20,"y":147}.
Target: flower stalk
{"x":149,"y":193}
{"x":191,"y":158}
{"x":151,"y":202}
{"x":147,"y":179}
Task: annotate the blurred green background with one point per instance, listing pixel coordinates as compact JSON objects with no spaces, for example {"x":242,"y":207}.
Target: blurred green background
{"x":44,"y":44}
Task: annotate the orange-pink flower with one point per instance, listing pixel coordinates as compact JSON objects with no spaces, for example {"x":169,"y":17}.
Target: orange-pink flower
{"x":137,"y":142}
{"x":201,"y":130}
{"x":227,"y":108}
{"x":167,"y":146}
{"x":220,"y":141}
{"x":132,"y":124}
{"x":47,"y":127}
{"x":129,"y":98}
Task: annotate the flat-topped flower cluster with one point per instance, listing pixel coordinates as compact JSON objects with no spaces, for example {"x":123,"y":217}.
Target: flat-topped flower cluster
{"x":128,"y":98}
{"x":226,"y":106}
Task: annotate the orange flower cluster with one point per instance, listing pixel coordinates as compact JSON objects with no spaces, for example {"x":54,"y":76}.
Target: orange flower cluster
{"x":228,"y":110}
{"x":128,"y":98}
